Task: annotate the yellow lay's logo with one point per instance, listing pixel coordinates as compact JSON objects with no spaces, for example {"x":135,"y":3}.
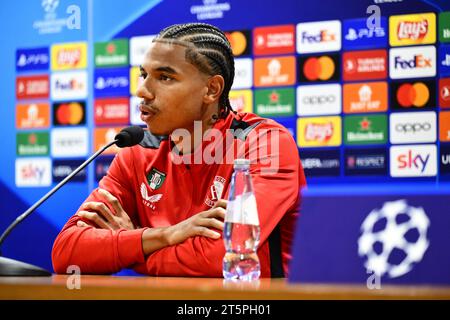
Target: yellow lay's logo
{"x":241,"y":100}
{"x":412,"y":29}
{"x":135,"y":80}
{"x":319,"y":132}
{"x":69,"y":56}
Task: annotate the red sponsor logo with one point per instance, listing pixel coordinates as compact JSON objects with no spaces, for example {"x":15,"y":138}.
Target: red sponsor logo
{"x":68,"y":57}
{"x":364,"y":65}
{"x":412,"y":30}
{"x":321,"y":132}
{"x":32,"y":87}
{"x":274,"y":40}
{"x":111,"y":111}
{"x":444,"y":93}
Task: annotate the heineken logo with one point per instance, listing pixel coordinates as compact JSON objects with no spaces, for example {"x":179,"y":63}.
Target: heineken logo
{"x":155,"y":179}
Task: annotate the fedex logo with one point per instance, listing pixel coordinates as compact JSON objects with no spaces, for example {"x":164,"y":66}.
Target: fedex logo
{"x":414,"y":62}
{"x":319,"y":36}
{"x":322,"y":36}
{"x":419,"y":61}
{"x":413,"y":161}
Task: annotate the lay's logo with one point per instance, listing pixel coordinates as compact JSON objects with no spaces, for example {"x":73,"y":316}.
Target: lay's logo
{"x":69,"y":56}
{"x":319,"y":132}
{"x":412,"y":29}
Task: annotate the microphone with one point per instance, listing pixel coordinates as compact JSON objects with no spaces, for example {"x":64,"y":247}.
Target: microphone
{"x":127,"y":137}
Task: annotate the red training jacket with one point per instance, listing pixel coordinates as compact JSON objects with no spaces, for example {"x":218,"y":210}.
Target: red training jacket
{"x":156,"y":191}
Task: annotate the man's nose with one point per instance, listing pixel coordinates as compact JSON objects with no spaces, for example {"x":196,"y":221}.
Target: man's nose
{"x":143,"y":91}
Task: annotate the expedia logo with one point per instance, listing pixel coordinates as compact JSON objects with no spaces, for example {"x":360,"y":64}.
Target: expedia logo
{"x":405,"y":95}
{"x":319,"y":68}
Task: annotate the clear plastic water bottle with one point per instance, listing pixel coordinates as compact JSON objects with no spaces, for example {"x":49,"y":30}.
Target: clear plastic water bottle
{"x":241,"y":231}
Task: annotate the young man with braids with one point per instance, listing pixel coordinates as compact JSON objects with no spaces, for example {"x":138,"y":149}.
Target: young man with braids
{"x":164,"y":217}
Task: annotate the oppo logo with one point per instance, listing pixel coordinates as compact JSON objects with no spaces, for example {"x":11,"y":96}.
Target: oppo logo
{"x":322,"y":99}
{"x":413,"y":127}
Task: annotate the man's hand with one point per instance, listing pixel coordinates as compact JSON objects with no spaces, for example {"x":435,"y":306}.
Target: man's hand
{"x":201,"y":224}
{"x":99,"y":214}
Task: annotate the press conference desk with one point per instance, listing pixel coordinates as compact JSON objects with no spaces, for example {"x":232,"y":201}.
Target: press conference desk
{"x":112,"y":287}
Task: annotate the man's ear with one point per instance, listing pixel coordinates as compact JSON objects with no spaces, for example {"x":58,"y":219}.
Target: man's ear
{"x":215,"y":87}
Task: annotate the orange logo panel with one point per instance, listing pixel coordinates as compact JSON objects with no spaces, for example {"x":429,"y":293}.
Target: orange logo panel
{"x":277,"y":71}
{"x":365,"y":97}
{"x":104,"y":135}
{"x":444,"y":126}
{"x":33,"y":115}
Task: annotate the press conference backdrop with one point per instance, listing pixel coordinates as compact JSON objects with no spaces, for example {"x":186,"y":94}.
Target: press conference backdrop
{"x":363,"y":86}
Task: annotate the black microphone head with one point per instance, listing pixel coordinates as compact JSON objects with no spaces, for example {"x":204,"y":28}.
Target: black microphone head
{"x":129,"y":136}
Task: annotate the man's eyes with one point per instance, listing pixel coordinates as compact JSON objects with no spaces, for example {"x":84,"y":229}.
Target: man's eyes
{"x":162,"y":77}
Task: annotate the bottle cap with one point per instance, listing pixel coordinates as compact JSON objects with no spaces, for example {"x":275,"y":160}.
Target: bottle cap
{"x":241,"y":163}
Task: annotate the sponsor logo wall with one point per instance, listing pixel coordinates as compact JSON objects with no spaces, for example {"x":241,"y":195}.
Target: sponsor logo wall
{"x":358,"y":100}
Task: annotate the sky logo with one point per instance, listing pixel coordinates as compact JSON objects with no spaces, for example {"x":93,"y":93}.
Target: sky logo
{"x":413,"y":161}
{"x":111,"y":82}
{"x":356,"y":34}
{"x":32,"y":59}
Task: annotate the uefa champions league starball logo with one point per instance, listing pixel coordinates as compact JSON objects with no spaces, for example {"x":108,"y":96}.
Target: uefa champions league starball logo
{"x":50,"y":5}
{"x":394,"y":239}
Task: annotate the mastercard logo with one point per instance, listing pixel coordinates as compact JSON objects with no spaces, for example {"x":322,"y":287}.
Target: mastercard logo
{"x":238,"y":42}
{"x":413,"y":95}
{"x":319,"y":68}
{"x":71,"y":113}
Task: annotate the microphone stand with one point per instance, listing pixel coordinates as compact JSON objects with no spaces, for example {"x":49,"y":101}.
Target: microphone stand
{"x":10,"y":267}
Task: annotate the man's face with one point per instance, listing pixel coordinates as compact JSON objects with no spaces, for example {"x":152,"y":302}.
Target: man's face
{"x":173,"y":89}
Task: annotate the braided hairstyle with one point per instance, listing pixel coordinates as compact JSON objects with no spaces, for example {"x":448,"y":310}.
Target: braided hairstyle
{"x":209,"y":50}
